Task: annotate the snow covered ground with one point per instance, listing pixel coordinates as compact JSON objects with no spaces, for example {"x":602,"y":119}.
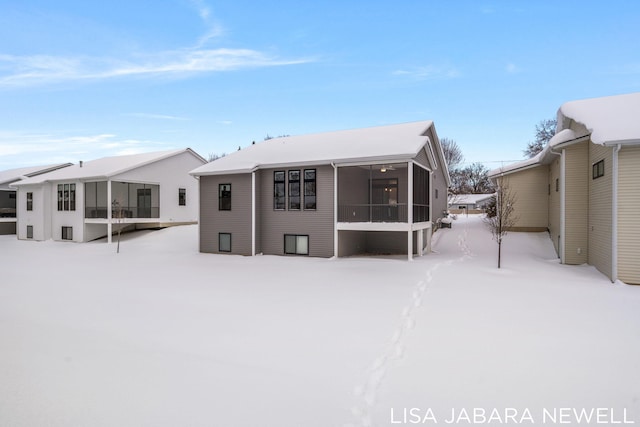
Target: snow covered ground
{"x":161,"y":335}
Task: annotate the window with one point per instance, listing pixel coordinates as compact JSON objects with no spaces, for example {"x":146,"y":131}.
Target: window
{"x":549,"y":189}
{"x":598,"y":169}
{"x":224,"y":197}
{"x":309,"y":188}
{"x":279,"y":196}
{"x":67,"y":233}
{"x":29,"y":231}
{"x":294,"y":190}
{"x":182,"y":197}
{"x":29,"y":201}
{"x":66,"y":197}
{"x":12,"y":195}
{"x":557,"y":185}
{"x":224,"y":242}
{"x":296,"y":244}
{"x":436,"y":193}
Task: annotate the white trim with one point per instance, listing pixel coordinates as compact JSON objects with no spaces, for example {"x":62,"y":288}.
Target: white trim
{"x":253,"y":213}
{"x":563,"y":237}
{"x":410,"y":209}
{"x":614,"y":216}
{"x":335,"y":210}
{"x":109,"y":213}
{"x":373,"y":226}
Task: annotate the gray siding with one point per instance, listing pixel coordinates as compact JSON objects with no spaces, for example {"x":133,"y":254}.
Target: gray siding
{"x":317,"y":224}
{"x":628,"y":213}
{"x":237,"y":221}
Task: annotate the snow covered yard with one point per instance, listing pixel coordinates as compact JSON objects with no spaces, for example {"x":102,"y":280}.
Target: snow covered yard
{"x":161,"y":335}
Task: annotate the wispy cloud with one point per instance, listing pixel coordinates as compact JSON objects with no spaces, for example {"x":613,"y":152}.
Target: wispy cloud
{"x":429,"y":72}
{"x":22,"y":71}
{"x":156,"y":116}
{"x":51,"y":148}
{"x":32,"y":70}
{"x":512,"y":68}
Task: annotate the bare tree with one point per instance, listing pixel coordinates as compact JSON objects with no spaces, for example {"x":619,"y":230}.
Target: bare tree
{"x":215,"y":156}
{"x":452,"y":153}
{"x":477,"y":176}
{"x":545,"y":129}
{"x":500,"y":215}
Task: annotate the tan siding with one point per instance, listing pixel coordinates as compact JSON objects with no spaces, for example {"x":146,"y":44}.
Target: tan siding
{"x":530,"y":190}
{"x":600,"y":210}
{"x":576,"y":203}
{"x":554,"y":204}
{"x":317,"y":224}
{"x":628,"y":215}
{"x":237,"y":221}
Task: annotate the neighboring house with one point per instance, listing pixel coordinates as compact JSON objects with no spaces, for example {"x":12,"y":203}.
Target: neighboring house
{"x":376,"y":190}
{"x":468,"y":203}
{"x":93,"y":199}
{"x":8,"y":194}
{"x":584,"y":187}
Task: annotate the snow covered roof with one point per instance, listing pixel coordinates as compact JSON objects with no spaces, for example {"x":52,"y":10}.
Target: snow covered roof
{"x":105,"y":167}
{"x":610,"y":119}
{"x":393,"y":142}
{"x":468,"y":199}
{"x":12,"y":175}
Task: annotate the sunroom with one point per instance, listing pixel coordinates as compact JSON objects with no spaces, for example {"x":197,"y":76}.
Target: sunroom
{"x":383,"y":208}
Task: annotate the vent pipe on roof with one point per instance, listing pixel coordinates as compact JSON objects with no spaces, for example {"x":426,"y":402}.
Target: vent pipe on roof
{"x":81,"y":163}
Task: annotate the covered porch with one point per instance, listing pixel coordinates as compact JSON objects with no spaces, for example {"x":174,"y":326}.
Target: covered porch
{"x":380,"y":206}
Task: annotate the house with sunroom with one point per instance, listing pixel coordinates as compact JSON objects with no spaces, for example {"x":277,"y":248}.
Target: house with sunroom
{"x":376,"y":190}
{"x":8,"y":211}
{"x":584,"y":186}
{"x":94,"y":199}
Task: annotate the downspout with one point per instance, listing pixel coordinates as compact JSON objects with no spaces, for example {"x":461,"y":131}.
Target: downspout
{"x":563,"y":236}
{"x":335,"y":210}
{"x":614,"y":216}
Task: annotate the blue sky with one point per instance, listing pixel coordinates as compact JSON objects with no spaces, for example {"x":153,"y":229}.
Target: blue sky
{"x":81,"y":80}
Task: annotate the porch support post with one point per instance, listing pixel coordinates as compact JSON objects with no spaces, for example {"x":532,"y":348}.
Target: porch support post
{"x":109,"y":213}
{"x":420,"y":242}
{"x":335,"y":210}
{"x":410,"y":210}
{"x":253,"y":213}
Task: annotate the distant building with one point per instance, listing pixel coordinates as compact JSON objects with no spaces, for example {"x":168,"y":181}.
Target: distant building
{"x":93,"y":199}
{"x":375,"y":190}
{"x":468,"y":203}
{"x":8,"y":211}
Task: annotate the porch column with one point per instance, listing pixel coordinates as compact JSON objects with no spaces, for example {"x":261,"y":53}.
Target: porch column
{"x":410,"y":210}
{"x":253,"y":213}
{"x":109,"y":206}
{"x":420,"y":242}
{"x":335,"y":210}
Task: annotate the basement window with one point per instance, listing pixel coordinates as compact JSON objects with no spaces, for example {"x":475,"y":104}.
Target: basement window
{"x":296,"y":244}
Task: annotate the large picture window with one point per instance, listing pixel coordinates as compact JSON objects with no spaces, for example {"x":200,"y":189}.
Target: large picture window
{"x":224,"y":197}
{"x":29,"y":201}
{"x":66,"y":197}
{"x":224,"y":242}
{"x":598,"y":169}
{"x":279,"y":196}
{"x":294,"y":190}
{"x":309,"y":188}
{"x":295,"y":244}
